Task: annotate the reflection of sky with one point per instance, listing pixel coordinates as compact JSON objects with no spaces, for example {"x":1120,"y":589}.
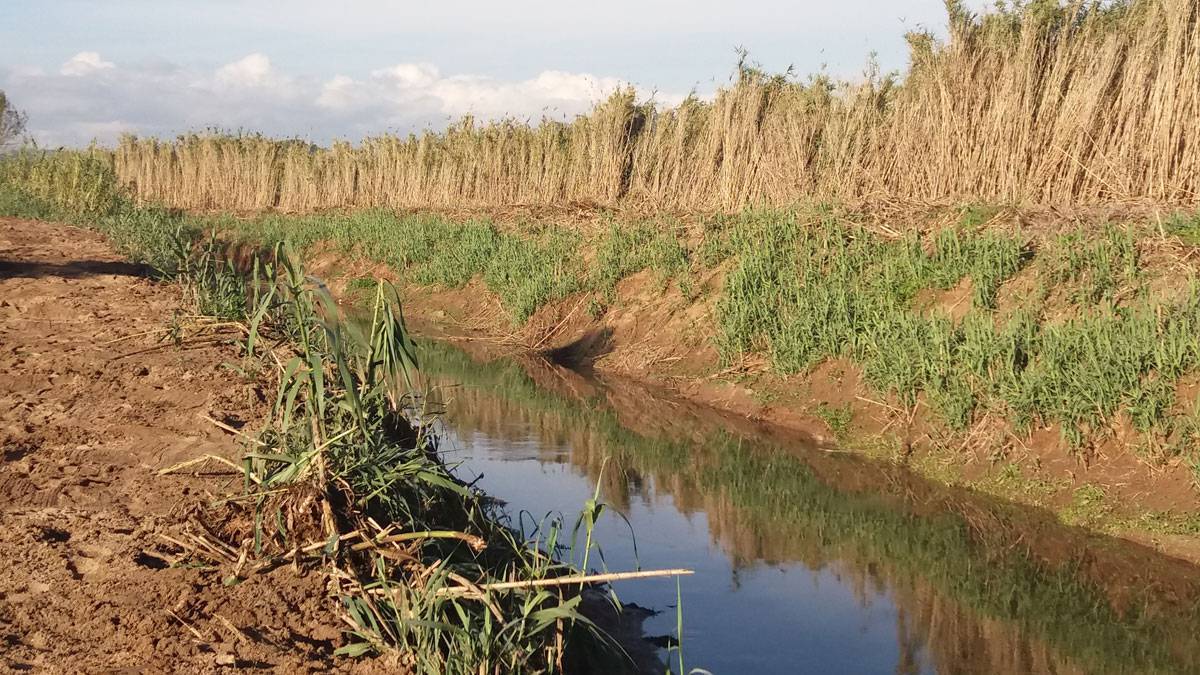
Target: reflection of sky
{"x":761,"y":618}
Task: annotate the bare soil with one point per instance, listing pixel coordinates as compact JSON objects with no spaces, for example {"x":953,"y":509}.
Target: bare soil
{"x":93,"y":402}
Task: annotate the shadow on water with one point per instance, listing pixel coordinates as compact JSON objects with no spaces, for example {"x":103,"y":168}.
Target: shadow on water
{"x":71,"y":270}
{"x":809,"y":560}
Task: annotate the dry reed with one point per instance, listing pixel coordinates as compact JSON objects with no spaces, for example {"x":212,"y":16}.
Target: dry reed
{"x":1078,"y":105}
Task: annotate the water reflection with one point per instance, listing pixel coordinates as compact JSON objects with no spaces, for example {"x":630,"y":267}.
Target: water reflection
{"x":809,"y":561}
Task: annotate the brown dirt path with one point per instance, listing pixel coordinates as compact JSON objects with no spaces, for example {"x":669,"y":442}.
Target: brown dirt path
{"x":92,"y":403}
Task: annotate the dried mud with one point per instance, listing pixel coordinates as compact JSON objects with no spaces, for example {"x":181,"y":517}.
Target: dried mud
{"x":93,"y":401}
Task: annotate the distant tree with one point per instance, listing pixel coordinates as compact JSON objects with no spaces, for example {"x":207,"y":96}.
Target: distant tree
{"x":12,"y":123}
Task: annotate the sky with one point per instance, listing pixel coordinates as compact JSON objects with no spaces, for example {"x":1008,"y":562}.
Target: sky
{"x":325,"y":70}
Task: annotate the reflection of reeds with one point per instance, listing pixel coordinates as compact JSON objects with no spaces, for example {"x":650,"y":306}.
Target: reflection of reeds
{"x":955,"y":639}
{"x":955,"y":567}
{"x":1077,"y":105}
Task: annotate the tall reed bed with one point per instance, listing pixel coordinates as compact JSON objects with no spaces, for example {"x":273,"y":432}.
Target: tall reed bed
{"x":74,"y":181}
{"x":1088,"y":103}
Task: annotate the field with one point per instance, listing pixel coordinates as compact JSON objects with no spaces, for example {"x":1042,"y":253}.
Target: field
{"x":85,"y":565}
{"x":985,"y":270}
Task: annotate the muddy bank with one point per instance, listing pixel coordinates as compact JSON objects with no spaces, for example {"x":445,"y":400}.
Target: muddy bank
{"x":93,"y":402}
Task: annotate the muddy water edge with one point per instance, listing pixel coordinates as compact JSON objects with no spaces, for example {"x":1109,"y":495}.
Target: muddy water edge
{"x":806,"y":559}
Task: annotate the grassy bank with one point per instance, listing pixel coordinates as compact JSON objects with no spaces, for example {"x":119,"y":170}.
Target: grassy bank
{"x":1091,"y":331}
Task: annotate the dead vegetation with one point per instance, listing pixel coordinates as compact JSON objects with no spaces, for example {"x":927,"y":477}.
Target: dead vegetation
{"x":1092,"y":103}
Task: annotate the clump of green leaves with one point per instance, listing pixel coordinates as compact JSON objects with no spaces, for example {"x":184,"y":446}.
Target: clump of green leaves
{"x":836,"y":417}
{"x":626,"y":249}
{"x":1094,"y":264}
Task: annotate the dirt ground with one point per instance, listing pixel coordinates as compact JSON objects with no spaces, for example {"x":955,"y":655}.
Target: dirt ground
{"x":93,"y":402}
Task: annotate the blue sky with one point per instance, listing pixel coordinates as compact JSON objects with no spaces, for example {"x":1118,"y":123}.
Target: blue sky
{"x":325,"y":70}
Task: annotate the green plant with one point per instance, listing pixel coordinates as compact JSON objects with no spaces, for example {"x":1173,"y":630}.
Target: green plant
{"x":837,"y":418}
{"x":1097,"y":266}
{"x":1089,"y":505}
{"x":625,"y":250}
{"x":1185,"y":225}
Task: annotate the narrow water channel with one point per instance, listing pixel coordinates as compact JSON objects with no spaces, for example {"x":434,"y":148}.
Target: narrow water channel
{"x":806,"y":560}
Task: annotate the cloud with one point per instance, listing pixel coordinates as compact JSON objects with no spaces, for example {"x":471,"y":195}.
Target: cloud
{"x":254,"y":73}
{"x":85,"y":63}
{"x":90,"y":98}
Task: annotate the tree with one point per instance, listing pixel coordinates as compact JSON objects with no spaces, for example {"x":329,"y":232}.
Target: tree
{"x":12,"y":123}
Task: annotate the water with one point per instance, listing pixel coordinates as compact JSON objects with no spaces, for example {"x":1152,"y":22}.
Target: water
{"x":805,"y":560}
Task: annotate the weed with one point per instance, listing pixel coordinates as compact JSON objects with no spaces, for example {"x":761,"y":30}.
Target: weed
{"x":362,"y":287}
{"x":1089,"y":507}
{"x":975,"y":215}
{"x":837,"y":418}
{"x":1097,"y":265}
{"x":1185,"y":225}
{"x":1009,"y":482}
{"x":625,"y":250}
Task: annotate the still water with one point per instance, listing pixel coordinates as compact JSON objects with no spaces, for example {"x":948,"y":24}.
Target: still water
{"x":806,"y":560}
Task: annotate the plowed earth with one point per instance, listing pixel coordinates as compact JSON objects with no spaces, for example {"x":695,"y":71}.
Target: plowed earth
{"x":94,"y":400}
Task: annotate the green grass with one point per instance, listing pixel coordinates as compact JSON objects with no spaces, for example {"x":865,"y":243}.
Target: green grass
{"x":526,"y":269}
{"x":1008,"y":482}
{"x":1185,"y":225}
{"x":628,"y":249}
{"x":804,"y":292}
{"x":837,"y":418}
{"x":1094,"y":265}
{"x":1089,"y":506}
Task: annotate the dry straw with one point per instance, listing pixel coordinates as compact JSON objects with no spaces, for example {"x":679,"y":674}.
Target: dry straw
{"x":1074,"y":105}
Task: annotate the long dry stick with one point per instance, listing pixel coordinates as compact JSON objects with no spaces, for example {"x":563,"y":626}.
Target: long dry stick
{"x":573,"y":579}
{"x":206,"y":458}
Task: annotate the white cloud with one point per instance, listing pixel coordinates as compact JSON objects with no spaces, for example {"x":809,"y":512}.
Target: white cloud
{"x":252,"y":72}
{"x":77,"y":104}
{"x":407,"y":88}
{"x":409,"y":74}
{"x":85,"y":63}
